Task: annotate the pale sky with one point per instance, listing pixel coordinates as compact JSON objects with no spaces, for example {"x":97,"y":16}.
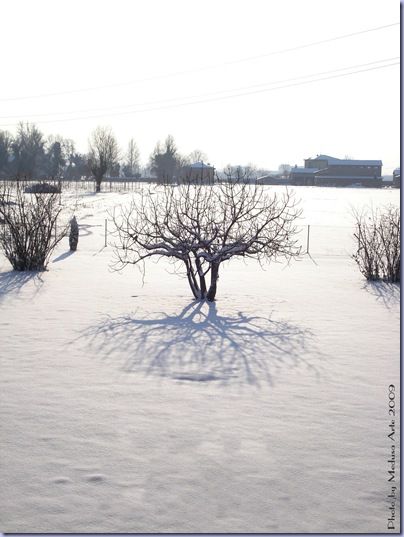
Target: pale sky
{"x":142,"y":62}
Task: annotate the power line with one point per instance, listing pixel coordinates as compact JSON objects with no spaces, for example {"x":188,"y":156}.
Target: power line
{"x":315,"y":43}
{"x":243,"y":88}
{"x":178,"y":105}
{"x":200,"y":69}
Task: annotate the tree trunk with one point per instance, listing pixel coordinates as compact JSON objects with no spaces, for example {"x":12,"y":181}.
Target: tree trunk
{"x":192,"y":280}
{"x":202,"y":285}
{"x":194,"y":289}
{"x":202,"y":281}
{"x":98,"y":184}
{"x":214,"y":276}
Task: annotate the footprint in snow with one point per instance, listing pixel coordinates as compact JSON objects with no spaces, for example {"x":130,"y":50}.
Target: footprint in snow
{"x":61,"y":480}
{"x":207,"y":377}
{"x":95,"y":478}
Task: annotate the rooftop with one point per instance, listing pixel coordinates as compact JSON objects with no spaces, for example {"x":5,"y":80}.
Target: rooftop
{"x":347,"y":162}
{"x":200,"y":165}
{"x":300,"y":169}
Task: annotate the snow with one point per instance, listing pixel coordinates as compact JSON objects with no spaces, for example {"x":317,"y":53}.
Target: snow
{"x":130,"y":408}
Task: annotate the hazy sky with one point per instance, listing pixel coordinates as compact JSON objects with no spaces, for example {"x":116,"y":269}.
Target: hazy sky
{"x":150,"y":68}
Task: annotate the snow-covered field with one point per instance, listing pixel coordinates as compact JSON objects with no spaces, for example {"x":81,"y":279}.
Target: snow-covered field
{"x":129,"y":408}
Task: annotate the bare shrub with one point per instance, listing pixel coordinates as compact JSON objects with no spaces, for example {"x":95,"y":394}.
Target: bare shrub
{"x":378,"y":251}
{"x":28,"y":233}
{"x":199,"y":227}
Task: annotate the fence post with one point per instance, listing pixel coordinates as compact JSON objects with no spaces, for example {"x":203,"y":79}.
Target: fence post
{"x":308,"y":239}
{"x":106,"y":231}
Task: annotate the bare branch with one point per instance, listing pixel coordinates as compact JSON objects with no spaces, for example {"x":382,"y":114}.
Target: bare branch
{"x":378,"y":253}
{"x":30,"y":227}
{"x":202,"y":226}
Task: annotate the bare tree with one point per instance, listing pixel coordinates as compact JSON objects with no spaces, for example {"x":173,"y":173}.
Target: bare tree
{"x":131,"y":165}
{"x":285,"y":169}
{"x":103,"y":153}
{"x":197,"y":156}
{"x":377,"y":235}
{"x":28,"y":233}
{"x":200,"y":227}
{"x":244,"y":174}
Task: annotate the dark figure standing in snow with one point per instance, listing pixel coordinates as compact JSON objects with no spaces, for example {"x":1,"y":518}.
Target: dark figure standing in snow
{"x":74,"y":234}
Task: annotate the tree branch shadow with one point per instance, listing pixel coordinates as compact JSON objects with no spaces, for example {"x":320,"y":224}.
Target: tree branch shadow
{"x":13,"y":281}
{"x":199,"y":345}
{"x":386,"y":293}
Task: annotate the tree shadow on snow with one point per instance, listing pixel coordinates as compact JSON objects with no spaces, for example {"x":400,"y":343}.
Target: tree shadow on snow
{"x":63,"y":256}
{"x":386,"y":293}
{"x":13,"y":281}
{"x":89,"y":195}
{"x":84,"y":229}
{"x":200,"y":345}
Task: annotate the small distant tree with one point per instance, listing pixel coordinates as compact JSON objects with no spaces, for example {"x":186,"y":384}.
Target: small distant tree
{"x":377,"y":236}
{"x":6,"y":141}
{"x":29,"y":231}
{"x":54,"y":160}
{"x":285,"y":169}
{"x":197,"y":156}
{"x":77,"y":166}
{"x":103,"y":154}
{"x":200,"y":227}
{"x":238,"y":174}
{"x":27,"y":151}
{"x":115,"y":170}
{"x":131,"y":165}
{"x":165,"y":160}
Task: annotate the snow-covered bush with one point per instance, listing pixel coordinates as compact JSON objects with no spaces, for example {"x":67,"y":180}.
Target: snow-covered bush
{"x":28,"y":233}
{"x":200,"y":227}
{"x":377,"y":235}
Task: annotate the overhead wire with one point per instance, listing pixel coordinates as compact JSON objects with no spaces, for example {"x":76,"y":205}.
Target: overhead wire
{"x":155,"y":102}
{"x":213,"y":99}
{"x":199,"y":69}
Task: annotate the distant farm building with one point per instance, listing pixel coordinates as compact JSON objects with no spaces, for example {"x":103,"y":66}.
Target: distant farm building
{"x":199,"y":172}
{"x":397,"y":178}
{"x":272,"y":180}
{"x":330,"y":171}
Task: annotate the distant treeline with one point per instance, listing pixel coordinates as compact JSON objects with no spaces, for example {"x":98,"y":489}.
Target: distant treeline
{"x":29,"y":154}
